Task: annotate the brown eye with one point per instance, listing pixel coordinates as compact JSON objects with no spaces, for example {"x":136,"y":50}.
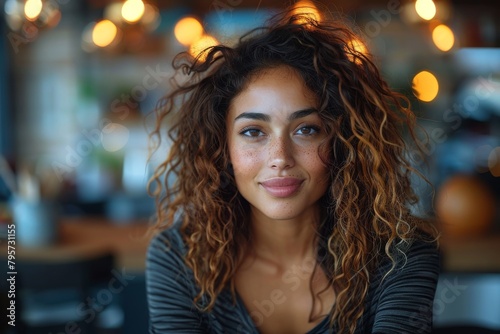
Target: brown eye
{"x":308,"y":130}
{"x":251,"y":133}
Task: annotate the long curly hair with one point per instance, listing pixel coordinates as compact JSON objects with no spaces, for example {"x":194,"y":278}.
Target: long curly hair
{"x":366,"y":205}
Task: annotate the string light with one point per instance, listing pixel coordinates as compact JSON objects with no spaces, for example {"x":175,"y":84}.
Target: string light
{"x":32,"y":9}
{"x":188,"y":30}
{"x":308,"y":9}
{"x":443,"y":37}
{"x":426,"y":9}
{"x":104,"y":33}
{"x":425,"y":86}
{"x":201,"y":44}
{"x":132,"y":10}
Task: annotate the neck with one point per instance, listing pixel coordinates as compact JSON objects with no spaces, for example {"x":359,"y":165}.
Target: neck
{"x":284,"y":242}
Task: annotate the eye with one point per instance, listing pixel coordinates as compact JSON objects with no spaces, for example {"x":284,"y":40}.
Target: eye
{"x":251,"y":132}
{"x":308,"y":130}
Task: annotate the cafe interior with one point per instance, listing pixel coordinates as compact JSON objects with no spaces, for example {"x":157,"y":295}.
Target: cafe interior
{"x":79,"y":83}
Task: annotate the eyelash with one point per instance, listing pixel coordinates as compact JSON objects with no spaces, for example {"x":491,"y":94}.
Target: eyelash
{"x":316,"y":130}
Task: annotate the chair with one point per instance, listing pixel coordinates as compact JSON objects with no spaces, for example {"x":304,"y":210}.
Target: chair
{"x":65,"y":294}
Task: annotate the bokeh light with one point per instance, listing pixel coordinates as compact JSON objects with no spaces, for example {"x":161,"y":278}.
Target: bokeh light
{"x":465,"y":206}
{"x":32,"y":9}
{"x":358,"y":47}
{"x":426,"y":9}
{"x":132,"y":10}
{"x":201,"y":44}
{"x":188,"y":30}
{"x":425,"y":86}
{"x":104,"y":33}
{"x":443,"y":37}
{"x":307,"y":9}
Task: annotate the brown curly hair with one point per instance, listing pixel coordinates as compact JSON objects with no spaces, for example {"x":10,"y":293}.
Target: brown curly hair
{"x":366,"y":206}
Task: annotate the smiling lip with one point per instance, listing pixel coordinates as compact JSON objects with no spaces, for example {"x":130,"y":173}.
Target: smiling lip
{"x":282,"y":186}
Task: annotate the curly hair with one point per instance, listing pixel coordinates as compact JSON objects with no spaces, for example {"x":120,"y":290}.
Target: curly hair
{"x":366,"y":205}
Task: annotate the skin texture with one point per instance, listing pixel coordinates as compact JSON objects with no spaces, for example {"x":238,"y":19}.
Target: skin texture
{"x":274,"y":133}
{"x":229,"y":226}
{"x":261,"y":150}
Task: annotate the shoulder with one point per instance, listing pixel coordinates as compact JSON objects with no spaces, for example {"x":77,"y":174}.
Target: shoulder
{"x":419,"y":254}
{"x":167,"y":240}
{"x":403,"y":288}
{"x":166,"y":249}
{"x":170,"y":286}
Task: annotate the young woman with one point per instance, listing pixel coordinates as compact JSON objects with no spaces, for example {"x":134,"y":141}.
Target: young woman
{"x":289,"y":213}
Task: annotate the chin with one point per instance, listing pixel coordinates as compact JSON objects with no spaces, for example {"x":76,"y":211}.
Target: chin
{"x":282,"y":212}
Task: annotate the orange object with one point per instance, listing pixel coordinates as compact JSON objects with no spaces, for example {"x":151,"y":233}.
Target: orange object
{"x":465,"y":206}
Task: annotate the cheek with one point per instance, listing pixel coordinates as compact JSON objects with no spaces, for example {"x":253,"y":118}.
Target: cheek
{"x":319,"y":170}
{"x":313,"y":163}
{"x":245,"y":162}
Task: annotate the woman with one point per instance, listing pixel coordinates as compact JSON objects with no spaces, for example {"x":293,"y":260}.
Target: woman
{"x":290,"y":210}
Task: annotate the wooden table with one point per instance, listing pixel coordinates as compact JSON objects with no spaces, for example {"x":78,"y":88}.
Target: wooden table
{"x":86,"y":237}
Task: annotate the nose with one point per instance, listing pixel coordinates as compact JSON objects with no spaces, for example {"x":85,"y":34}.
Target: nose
{"x":281,"y":153}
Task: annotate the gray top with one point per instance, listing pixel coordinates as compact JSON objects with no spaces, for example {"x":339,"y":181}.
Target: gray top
{"x":401,"y":303}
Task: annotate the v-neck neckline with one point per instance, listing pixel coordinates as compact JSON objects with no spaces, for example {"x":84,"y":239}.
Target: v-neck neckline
{"x":248,"y":319}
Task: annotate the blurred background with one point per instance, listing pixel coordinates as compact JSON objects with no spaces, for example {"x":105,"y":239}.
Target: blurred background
{"x":79,"y":79}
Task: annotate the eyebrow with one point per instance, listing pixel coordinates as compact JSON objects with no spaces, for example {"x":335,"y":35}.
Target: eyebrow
{"x":266,"y":118}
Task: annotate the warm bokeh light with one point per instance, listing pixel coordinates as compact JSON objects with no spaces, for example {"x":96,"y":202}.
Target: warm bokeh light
{"x":188,"y":30}
{"x":104,"y":33}
{"x":358,"y":47}
{"x":308,"y":9}
{"x":465,"y":206}
{"x":32,"y":9}
{"x":426,"y":9}
{"x":132,"y":10}
{"x":443,"y":37}
{"x":425,"y":86}
{"x":494,"y":162}
{"x":201,"y":44}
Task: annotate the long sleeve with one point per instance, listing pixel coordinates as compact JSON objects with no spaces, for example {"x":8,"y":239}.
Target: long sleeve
{"x":170,"y":289}
{"x":405,"y":297}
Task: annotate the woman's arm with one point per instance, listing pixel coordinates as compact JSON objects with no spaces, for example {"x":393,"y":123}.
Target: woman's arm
{"x":170,"y":289}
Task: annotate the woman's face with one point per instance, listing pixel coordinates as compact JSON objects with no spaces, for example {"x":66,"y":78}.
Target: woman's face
{"x":273,"y":136}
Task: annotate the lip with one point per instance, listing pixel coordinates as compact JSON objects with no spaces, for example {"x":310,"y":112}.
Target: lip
{"x":282,"y":186}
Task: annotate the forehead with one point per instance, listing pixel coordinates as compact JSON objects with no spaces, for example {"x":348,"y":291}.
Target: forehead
{"x":275,"y":89}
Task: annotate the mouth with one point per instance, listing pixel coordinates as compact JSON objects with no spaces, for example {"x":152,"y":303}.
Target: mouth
{"x":282,"y":186}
